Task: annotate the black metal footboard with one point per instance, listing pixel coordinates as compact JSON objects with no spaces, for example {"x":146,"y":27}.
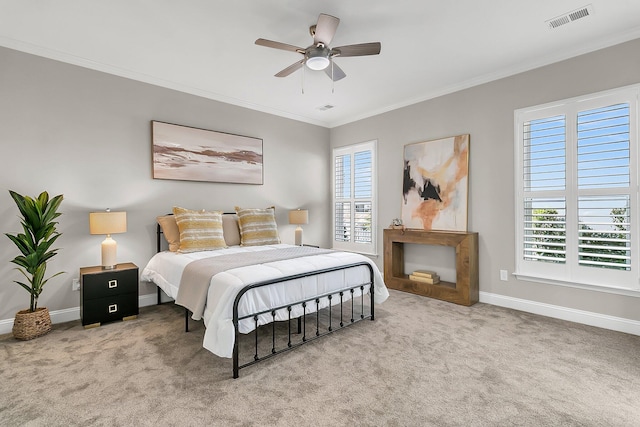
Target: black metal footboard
{"x":340,"y":293}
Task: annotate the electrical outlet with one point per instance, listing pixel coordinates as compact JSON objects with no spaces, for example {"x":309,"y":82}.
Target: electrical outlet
{"x":503,"y":275}
{"x":75,"y":285}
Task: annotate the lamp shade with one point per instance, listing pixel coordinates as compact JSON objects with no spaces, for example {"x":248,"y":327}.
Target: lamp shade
{"x":107,"y":222}
{"x":299,"y":216}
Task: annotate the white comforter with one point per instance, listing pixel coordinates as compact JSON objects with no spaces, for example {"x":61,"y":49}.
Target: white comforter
{"x":165,"y":270}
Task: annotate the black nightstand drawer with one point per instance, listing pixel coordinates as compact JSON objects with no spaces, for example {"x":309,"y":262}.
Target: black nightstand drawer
{"x":109,"y":283}
{"x":110,"y":308}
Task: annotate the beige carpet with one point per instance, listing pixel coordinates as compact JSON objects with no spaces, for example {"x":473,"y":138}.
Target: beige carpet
{"x":422,"y":362}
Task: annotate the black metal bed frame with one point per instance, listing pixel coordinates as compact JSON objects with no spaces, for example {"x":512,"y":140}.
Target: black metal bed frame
{"x":256,"y":358}
{"x":302,"y":320}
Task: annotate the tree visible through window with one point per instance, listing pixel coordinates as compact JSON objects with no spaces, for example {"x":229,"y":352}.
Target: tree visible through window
{"x":548,"y":236}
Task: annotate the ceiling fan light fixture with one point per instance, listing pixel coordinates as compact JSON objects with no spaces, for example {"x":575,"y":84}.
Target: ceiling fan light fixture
{"x":318,"y":58}
{"x":318,"y":63}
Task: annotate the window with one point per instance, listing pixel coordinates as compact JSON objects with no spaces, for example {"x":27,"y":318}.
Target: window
{"x":354,"y":189}
{"x":577,"y":191}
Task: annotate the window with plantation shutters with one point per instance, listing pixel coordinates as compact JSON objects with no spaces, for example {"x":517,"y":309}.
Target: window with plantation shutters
{"x":577,"y":192}
{"x":353,"y":198}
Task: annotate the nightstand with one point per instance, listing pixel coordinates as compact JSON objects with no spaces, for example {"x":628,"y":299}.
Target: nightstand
{"x":107,"y":295}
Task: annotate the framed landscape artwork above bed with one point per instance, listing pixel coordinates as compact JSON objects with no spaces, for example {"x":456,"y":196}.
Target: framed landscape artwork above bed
{"x":435,"y":184}
{"x":192,"y":154}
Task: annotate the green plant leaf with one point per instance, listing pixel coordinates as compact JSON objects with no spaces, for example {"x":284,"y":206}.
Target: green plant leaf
{"x":26,"y":287}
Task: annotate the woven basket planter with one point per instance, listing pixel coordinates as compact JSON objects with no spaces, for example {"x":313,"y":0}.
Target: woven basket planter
{"x":29,"y":325}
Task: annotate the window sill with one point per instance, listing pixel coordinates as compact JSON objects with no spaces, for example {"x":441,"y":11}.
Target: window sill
{"x":367,"y":254}
{"x":585,"y":286}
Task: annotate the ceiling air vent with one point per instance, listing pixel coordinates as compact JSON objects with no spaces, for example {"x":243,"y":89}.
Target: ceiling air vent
{"x":568,"y":17}
{"x":325,"y":107}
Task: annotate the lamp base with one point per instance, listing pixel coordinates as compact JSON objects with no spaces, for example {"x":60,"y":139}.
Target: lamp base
{"x":109,"y":249}
{"x":299,"y":236}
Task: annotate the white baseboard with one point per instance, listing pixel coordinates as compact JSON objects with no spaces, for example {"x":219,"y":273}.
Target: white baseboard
{"x":579,"y":316}
{"x":69,"y":314}
{"x":146,"y":300}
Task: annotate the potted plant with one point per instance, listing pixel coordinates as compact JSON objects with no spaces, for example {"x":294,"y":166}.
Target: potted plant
{"x":39,"y":234}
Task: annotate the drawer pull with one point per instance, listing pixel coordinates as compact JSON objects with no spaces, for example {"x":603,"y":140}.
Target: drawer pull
{"x":113,"y":284}
{"x":113,"y":308}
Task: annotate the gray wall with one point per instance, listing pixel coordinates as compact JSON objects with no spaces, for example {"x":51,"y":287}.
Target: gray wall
{"x":486,"y":112}
{"x":87,"y":135}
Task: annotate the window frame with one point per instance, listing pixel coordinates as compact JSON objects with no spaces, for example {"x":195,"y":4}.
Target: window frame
{"x":351,"y":246}
{"x":571,"y":273}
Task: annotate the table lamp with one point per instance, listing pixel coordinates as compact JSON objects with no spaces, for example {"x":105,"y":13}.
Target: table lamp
{"x":108,"y":223}
{"x":298,"y":217}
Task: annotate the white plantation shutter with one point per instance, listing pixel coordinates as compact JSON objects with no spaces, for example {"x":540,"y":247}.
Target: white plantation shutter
{"x":362,"y":223}
{"x":342,"y":221}
{"x":544,"y":175}
{"x":353,"y":198}
{"x":362,"y":173}
{"x":363,"y":188}
{"x":342,"y":174}
{"x":603,"y":164}
{"x":342,"y":191}
{"x":603,"y":147}
{"x":601,"y":243}
{"x":576,"y":176}
{"x":545,"y":230}
{"x":544,"y":154}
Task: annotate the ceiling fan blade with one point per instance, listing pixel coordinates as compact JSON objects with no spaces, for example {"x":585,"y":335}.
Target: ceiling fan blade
{"x":325,"y":29}
{"x":338,"y":74}
{"x":278,"y":45}
{"x":362,"y":49}
{"x":291,"y":68}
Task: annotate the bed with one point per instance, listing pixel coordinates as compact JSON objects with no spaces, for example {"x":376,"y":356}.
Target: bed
{"x":237,"y":288}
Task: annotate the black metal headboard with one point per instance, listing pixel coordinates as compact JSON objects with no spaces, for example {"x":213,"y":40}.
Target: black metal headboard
{"x":159,"y":236}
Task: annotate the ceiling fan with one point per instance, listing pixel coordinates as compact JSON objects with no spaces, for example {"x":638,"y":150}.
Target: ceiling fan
{"x":319,"y":55}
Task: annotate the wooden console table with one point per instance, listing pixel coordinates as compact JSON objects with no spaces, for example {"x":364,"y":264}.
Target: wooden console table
{"x":464,"y":291}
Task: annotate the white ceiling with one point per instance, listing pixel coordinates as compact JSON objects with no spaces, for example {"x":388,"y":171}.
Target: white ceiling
{"x":206,"y":47}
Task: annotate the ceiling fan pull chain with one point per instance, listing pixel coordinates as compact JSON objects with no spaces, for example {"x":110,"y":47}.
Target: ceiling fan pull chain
{"x":333,"y":81}
{"x":302,"y":83}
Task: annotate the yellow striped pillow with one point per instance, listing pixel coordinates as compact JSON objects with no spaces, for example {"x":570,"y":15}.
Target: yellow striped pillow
{"x":257,"y":226}
{"x":199,"y":230}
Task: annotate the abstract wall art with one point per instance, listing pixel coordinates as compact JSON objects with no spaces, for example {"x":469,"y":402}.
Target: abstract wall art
{"x":435,"y":184}
{"x":192,"y":154}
